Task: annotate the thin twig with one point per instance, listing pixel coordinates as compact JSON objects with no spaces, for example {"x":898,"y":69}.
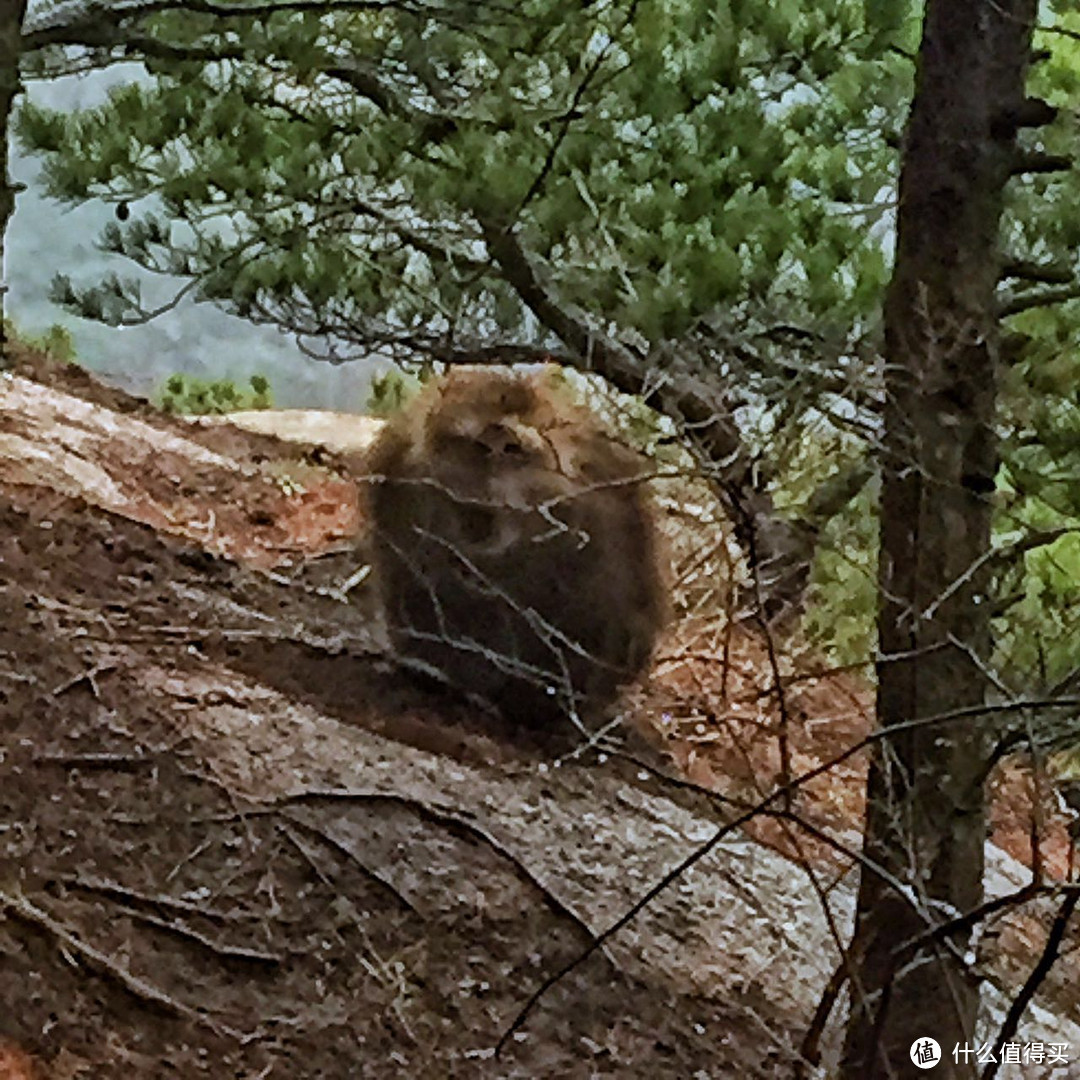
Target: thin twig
{"x":1035,"y":979}
{"x":114,"y":889}
{"x":89,"y":676}
{"x":136,"y":985}
{"x":448,"y":817}
{"x":115,"y":762}
{"x":229,"y":952}
{"x":780,"y":794}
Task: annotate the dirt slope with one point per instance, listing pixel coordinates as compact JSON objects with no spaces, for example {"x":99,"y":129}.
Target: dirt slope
{"x":236,"y":841}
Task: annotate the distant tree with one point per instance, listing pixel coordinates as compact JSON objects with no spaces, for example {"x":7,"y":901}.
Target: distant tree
{"x":391,"y":390}
{"x":200,"y":397}
{"x":56,"y":341}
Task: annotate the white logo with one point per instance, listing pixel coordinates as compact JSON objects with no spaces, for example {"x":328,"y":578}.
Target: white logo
{"x":925,"y":1052}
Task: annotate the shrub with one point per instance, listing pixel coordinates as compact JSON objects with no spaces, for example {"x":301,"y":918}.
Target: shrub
{"x":393,"y":389}
{"x":56,"y":341}
{"x":185,"y":394}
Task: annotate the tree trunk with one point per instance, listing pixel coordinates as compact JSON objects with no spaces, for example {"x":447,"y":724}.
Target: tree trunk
{"x":11,"y":20}
{"x":925,"y":817}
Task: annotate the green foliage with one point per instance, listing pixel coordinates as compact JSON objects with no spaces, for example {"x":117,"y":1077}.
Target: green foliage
{"x":1037,"y":591}
{"x":661,"y":161}
{"x":841,"y":609}
{"x":1038,"y":642}
{"x":393,"y":389}
{"x":56,"y":341}
{"x":1038,"y":633}
{"x":842,"y":600}
{"x":185,"y":394}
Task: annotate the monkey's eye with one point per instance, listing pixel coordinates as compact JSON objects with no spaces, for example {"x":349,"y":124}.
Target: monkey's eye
{"x":513,"y":448}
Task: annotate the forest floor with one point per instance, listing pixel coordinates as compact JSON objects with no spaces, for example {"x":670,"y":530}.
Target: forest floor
{"x":237,"y":841}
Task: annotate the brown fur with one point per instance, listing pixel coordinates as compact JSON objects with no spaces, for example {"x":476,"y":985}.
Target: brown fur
{"x":510,"y":553}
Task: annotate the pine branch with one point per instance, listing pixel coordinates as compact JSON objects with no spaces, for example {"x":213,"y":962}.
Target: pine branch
{"x":781,"y":546}
{"x":1042,"y":273}
{"x":1036,"y":162}
{"x":96,"y":21}
{"x":1041,"y":298}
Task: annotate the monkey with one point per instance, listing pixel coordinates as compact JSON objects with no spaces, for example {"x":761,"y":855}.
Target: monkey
{"x":514,"y":546}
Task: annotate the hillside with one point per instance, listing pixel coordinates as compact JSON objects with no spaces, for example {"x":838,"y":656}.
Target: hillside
{"x":237,"y":840}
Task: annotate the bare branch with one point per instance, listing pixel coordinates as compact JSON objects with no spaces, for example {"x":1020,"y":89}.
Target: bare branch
{"x":1042,"y":298}
{"x":1035,"y":162}
{"x":1035,"y":979}
{"x":1033,"y":112}
{"x":97,"y":20}
{"x":1062,"y":31}
{"x":145,"y":991}
{"x":1043,"y":273}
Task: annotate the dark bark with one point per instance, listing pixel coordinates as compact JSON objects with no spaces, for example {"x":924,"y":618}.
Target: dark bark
{"x":11,"y":19}
{"x":925,"y":817}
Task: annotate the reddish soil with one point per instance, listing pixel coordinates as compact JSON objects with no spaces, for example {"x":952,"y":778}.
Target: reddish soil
{"x":274,"y":504}
{"x":713,"y":708}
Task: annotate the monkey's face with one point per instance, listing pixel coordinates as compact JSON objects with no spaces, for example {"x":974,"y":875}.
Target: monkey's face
{"x":482,"y":441}
{"x":513,"y":444}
